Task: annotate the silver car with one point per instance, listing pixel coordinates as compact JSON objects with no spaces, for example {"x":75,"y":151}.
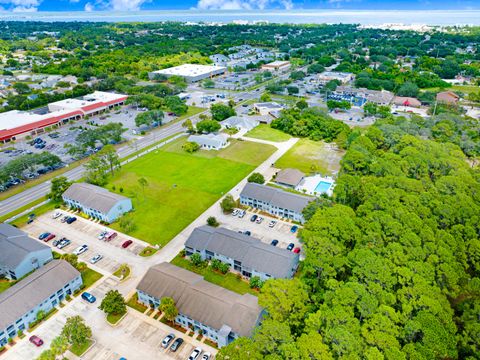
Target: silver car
{"x":96,"y":259}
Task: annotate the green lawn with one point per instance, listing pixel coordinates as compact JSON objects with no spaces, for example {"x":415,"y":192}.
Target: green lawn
{"x":114,"y":318}
{"x":90,"y":277}
{"x":265,"y":132}
{"x":4,"y":285}
{"x":80,"y":349}
{"x":311,"y":156}
{"x":181,"y":186}
{"x":466,"y":89}
{"x":228,"y":281}
{"x":134,"y":304}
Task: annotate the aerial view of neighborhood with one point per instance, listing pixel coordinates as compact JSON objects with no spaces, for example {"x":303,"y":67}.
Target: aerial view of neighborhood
{"x":254,"y":188}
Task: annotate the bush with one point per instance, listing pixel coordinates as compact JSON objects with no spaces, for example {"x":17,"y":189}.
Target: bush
{"x":224,"y":268}
{"x":190,"y":147}
{"x":212,"y":221}
{"x":256,"y":282}
{"x":196,"y":259}
{"x":228,"y":204}
{"x":127,"y":224}
{"x":256,"y":178}
{"x":215,"y":264}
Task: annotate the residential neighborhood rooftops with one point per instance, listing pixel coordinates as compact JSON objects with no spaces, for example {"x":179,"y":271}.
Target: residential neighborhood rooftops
{"x":276,"y":197}
{"x":240,"y":122}
{"x":33,"y":290}
{"x":268,"y":105}
{"x":447,"y":97}
{"x":406,"y":101}
{"x":291,"y":177}
{"x":252,"y":252}
{"x":203,"y":301}
{"x":94,"y":197}
{"x":15,"y":245}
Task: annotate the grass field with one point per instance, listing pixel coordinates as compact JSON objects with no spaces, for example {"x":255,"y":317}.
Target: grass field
{"x":310,"y":157}
{"x":466,"y":89}
{"x":228,"y":281}
{"x":4,"y":285}
{"x":80,"y":349}
{"x":90,"y":277}
{"x":181,"y":186}
{"x":265,"y":132}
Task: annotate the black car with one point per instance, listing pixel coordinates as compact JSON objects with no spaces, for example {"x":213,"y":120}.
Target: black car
{"x":253,"y":218}
{"x":248,"y":233}
{"x":290,"y":246}
{"x":71,"y":219}
{"x":274,"y":242}
{"x":176,"y":344}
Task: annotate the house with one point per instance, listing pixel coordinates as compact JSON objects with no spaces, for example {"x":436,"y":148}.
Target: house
{"x":448,"y":97}
{"x":210,"y":141}
{"x":96,"y":201}
{"x":41,"y":291}
{"x":219,"y":59}
{"x":19,"y":253}
{"x":244,"y":254}
{"x":406,"y":101}
{"x":275,"y":201}
{"x":266,"y":108}
{"x":289,"y":177}
{"x":327,"y":76}
{"x":277,"y":65}
{"x":220,"y":314}
{"x":240,"y":123}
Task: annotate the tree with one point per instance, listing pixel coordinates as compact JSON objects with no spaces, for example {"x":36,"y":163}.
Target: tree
{"x":301,"y":104}
{"x":408,"y":89}
{"x":143,"y":184}
{"x":47,"y":355}
{"x":292,"y":90}
{"x":196,"y":259}
{"x":212,"y":221}
{"x":208,"y":84}
{"x":113,"y":303}
{"x":58,"y":187}
{"x":228,"y":204}
{"x":208,"y":126}
{"x":72,"y":259}
{"x":370,"y":109}
{"x":334,"y":104}
{"x":315,"y":69}
{"x":97,"y":170}
{"x":256,"y":282}
{"x":41,"y":315}
{"x":149,"y":118}
{"x":256,"y":178}
{"x":190,"y":147}
{"x":168,"y":308}
{"x":221,"y":112}
{"x":188,"y":125}
{"x":265,"y":97}
{"x":76,"y":331}
{"x":176,"y":105}
{"x":111,"y":157}
{"x":59,"y":346}
{"x":21,"y":88}
{"x":241,"y":348}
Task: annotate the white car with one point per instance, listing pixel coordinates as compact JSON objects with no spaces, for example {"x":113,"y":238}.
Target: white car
{"x":242,"y":213}
{"x":272,"y":223}
{"x":206,"y":356}
{"x":195,"y":354}
{"x":167,"y":340}
{"x":102,"y":235}
{"x":259,"y":220}
{"x":56,"y":215}
{"x":235,"y":212}
{"x":96,"y":259}
{"x":80,"y":250}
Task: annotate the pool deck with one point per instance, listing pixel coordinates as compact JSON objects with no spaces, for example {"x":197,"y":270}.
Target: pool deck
{"x":310,"y":183}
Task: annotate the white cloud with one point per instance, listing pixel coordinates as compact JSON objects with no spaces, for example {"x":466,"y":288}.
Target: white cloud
{"x":89,"y":7}
{"x":242,"y":4}
{"x":126,"y":5}
{"x":21,"y":5}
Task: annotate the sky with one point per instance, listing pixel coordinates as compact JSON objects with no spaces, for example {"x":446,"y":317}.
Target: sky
{"x":130,"y":5}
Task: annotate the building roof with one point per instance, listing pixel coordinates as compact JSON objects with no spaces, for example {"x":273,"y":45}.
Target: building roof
{"x":276,"y":197}
{"x":191,"y":70}
{"x":448,"y":95}
{"x":15,"y":245}
{"x":289,"y":177}
{"x":33,"y":290}
{"x":93,"y":197}
{"x":240,"y":122}
{"x":335,"y":75}
{"x":200,"y":300}
{"x":406,"y":101}
{"x":215,"y":140}
{"x":272,"y":105}
{"x":277,"y":63}
{"x":253,"y":253}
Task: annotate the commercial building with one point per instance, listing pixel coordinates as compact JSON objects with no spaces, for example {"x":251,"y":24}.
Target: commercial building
{"x":20,"y":254}
{"x":327,"y":76}
{"x":267,"y":108}
{"x":21,"y":123}
{"x":41,"y":291}
{"x":220,"y":314}
{"x":275,"y":201}
{"x":379,"y":97}
{"x":244,"y":254}
{"x":277,"y":66}
{"x":210,"y":141}
{"x":190,"y":72}
{"x":97,"y":202}
{"x":289,"y":177}
{"x":448,"y":97}
{"x":407,"y":101}
{"x":240,"y":123}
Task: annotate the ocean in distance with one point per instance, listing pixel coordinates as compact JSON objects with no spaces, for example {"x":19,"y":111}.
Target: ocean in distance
{"x":363,"y":17}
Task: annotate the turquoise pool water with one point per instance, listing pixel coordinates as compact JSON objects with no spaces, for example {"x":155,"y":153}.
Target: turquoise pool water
{"x":323,"y":187}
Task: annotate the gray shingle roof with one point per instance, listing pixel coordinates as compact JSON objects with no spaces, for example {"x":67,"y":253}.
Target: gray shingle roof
{"x":289,"y":177}
{"x":215,"y":140}
{"x":15,"y":245}
{"x":276,"y":197}
{"x":33,"y":290}
{"x":252,"y":252}
{"x":240,"y":122}
{"x":93,"y":197}
{"x":200,"y":300}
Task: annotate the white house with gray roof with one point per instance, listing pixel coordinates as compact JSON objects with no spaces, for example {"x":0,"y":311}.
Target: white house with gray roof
{"x":42,"y":290}
{"x":275,"y":201}
{"x":210,"y":141}
{"x":96,"y":201}
{"x":244,"y":254}
{"x":20,"y":254}
{"x":240,"y":123}
{"x":220,"y":314}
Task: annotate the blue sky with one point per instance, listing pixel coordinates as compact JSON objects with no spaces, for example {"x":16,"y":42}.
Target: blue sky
{"x":128,"y":5}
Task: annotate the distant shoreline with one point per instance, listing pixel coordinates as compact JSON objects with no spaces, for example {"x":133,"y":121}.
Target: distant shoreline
{"x":362,"y":17}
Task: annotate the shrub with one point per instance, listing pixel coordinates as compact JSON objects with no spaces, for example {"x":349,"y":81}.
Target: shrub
{"x":228,"y":204}
{"x":196,"y":259}
{"x":256,"y":178}
{"x":190,"y":147}
{"x":212,"y":221}
{"x":215,"y":264}
{"x":224,"y":268}
{"x":256,"y":282}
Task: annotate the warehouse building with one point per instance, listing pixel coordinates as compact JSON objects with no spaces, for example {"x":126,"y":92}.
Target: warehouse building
{"x":190,"y":72}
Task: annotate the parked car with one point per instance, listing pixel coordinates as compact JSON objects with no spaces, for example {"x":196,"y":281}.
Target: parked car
{"x":235,"y":212}
{"x":167,"y":340}
{"x":110,"y":235}
{"x":242,"y":213}
{"x":274,"y":242}
{"x":195,"y":353}
{"x":63,"y":243}
{"x":43,"y":235}
{"x":176,"y":344}
{"x":65,"y":218}
{"x":49,"y":237}
{"x":96,"y":259}
{"x":259,"y":220}
{"x":248,"y":233}
{"x":56,"y":242}
{"x":35,"y":340}
{"x":101,"y":236}
{"x":88,"y":297}
{"x":272,"y":223}
{"x":253,"y":218}
{"x":71,"y":219}
{"x":80,"y":250}
{"x":296,"y":250}
{"x":206,"y":356}
{"x":127,"y":244}
{"x":290,"y":246}
{"x":56,"y":215}
{"x":294,"y":229}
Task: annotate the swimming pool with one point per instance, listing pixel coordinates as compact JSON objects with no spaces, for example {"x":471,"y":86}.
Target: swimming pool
{"x":323,"y":187}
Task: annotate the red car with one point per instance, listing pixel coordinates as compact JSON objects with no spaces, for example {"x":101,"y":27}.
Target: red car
{"x":296,"y":250}
{"x":127,"y":244}
{"x":49,"y":237}
{"x":35,"y":340}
